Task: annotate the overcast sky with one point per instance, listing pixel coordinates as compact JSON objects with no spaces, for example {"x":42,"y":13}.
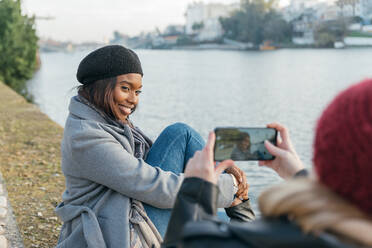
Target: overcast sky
{"x":95,"y":20}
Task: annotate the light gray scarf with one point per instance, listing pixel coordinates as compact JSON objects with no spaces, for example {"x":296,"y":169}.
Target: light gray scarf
{"x":142,"y":143}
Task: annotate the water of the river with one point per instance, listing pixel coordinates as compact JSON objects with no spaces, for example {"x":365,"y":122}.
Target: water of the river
{"x":206,"y":89}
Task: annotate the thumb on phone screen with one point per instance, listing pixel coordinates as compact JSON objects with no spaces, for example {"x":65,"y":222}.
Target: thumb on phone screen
{"x":274,"y":150}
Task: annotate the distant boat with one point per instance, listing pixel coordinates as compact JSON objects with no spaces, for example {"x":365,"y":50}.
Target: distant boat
{"x":339,"y":45}
{"x":267,"y":46}
{"x":69,"y":48}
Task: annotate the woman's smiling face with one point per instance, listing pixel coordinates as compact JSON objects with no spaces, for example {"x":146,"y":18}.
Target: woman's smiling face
{"x":126,"y":93}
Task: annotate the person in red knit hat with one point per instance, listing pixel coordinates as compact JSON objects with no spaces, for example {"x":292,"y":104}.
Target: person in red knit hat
{"x":343,"y":145}
{"x":331,"y":208}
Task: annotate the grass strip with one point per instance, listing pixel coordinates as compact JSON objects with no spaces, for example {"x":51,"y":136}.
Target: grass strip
{"x":30,"y":164}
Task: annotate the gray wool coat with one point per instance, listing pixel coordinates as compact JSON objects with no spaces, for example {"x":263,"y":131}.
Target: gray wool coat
{"x":102,"y":175}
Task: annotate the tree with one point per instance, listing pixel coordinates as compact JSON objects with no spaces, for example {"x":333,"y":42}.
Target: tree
{"x":174,"y":30}
{"x":276,"y":29}
{"x":18,"y":46}
{"x":327,"y":33}
{"x":256,"y":21}
{"x":271,"y":4}
{"x":353,"y":4}
{"x":197,"y":26}
{"x":245,"y":25}
{"x":325,"y":40}
{"x":341,"y":4}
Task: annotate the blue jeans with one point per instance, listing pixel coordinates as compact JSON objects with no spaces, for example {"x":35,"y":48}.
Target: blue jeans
{"x":171,"y":151}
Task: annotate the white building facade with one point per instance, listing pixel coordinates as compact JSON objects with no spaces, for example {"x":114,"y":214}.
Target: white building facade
{"x":202,"y":20}
{"x":363,"y":9}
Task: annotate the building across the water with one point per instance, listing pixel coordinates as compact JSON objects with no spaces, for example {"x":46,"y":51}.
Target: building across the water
{"x":202,"y":20}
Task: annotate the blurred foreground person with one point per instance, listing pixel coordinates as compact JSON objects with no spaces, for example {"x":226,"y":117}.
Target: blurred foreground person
{"x":333,"y":210}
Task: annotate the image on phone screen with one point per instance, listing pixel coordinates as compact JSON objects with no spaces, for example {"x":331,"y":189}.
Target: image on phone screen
{"x":243,"y":144}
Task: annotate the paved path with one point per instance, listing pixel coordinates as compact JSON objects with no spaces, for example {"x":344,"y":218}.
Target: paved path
{"x":9,"y":234}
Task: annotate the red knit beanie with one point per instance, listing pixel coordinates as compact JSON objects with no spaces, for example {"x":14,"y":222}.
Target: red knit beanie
{"x":343,"y":145}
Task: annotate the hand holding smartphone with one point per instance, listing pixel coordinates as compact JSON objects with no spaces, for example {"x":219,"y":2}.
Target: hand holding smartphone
{"x":243,"y":144}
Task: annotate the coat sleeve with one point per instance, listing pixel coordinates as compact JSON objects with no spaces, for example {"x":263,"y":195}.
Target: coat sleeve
{"x":196,"y":200}
{"x":241,"y":213}
{"x":100,"y":158}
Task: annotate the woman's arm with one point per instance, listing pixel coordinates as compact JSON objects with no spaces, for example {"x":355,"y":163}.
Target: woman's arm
{"x":97,"y":156}
{"x":100,"y":158}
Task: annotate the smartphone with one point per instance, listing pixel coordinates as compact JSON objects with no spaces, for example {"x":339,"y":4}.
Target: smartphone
{"x":243,"y":143}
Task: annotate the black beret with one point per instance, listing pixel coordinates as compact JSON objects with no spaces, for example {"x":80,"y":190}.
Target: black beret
{"x":107,"y":62}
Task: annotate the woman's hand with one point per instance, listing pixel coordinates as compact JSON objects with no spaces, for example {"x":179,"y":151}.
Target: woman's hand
{"x":201,"y":165}
{"x":241,"y":178}
{"x":286,"y":162}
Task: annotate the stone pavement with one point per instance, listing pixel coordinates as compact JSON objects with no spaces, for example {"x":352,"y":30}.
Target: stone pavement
{"x":9,"y":234}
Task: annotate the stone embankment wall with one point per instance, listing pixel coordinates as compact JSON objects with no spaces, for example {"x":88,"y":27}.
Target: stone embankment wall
{"x":30,"y":165}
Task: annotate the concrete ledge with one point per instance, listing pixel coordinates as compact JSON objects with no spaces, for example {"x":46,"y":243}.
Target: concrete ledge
{"x":9,"y":233}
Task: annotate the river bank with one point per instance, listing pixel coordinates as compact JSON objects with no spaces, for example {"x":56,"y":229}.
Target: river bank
{"x":349,"y":43}
{"x":30,"y":164}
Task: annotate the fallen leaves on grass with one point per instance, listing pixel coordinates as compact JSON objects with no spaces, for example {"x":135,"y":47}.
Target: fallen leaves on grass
{"x":30,"y":164}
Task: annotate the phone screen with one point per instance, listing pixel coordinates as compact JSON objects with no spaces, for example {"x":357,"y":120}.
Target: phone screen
{"x":243,"y":144}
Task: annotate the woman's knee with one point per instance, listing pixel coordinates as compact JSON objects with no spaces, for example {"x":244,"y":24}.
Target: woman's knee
{"x":179,"y":128}
{"x":181,"y":131}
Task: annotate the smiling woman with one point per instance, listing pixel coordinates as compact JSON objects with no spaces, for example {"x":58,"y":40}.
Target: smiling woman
{"x":117,"y":96}
{"x":115,"y":176}
{"x":126,"y":94}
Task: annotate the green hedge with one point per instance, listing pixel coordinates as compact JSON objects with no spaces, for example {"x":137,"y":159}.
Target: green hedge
{"x":359,"y":34}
